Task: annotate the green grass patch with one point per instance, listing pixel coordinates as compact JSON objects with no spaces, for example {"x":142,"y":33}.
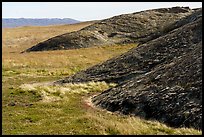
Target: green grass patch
{"x":36,"y":109}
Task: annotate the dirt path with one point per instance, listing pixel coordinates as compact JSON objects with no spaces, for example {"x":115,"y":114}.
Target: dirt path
{"x":90,"y":104}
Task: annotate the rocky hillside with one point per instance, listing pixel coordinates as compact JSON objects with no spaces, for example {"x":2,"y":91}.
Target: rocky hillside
{"x":160,"y":79}
{"x":127,"y":28}
{"x":134,"y":62}
{"x":19,"y":22}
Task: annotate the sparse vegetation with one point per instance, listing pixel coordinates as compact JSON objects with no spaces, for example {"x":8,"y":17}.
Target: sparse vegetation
{"x":50,"y":93}
{"x":25,"y":111}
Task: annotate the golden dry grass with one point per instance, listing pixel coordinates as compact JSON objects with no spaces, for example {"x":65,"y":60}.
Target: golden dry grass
{"x":25,"y":37}
{"x":24,"y":112}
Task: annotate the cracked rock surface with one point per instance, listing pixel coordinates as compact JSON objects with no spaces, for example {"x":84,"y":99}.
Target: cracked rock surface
{"x":160,"y":79}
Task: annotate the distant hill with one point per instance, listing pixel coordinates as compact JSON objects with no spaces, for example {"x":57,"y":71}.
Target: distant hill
{"x":138,"y":27}
{"x":18,"y":22}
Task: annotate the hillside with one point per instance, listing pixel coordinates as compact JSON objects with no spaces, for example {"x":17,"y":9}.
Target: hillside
{"x":160,"y":79}
{"x":69,"y":89}
{"x":21,"y":38}
{"x":19,"y":22}
{"x":132,"y":63}
{"x":122,"y":29}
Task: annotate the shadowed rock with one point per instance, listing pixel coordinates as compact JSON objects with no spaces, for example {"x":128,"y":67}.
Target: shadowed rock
{"x":139,"y":60}
{"x":161,"y":79}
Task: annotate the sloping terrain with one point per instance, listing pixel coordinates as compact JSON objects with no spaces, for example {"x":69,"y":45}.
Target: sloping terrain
{"x":24,"y":37}
{"x":30,"y":105}
{"x":160,"y":79}
{"x":141,"y":59}
{"x":122,"y":29}
{"x":171,"y":94}
{"x":19,"y":22}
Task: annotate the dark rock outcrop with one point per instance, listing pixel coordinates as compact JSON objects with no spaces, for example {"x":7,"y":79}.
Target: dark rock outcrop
{"x":161,"y":79}
{"x":170,"y":93}
{"x":122,"y":29}
{"x":140,"y":60}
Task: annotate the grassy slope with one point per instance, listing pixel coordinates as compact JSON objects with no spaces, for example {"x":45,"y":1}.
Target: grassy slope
{"x":26,"y":37}
{"x":25,"y":112}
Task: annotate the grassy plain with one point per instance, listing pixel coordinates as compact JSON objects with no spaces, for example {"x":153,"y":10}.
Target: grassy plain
{"x":29,"y":108}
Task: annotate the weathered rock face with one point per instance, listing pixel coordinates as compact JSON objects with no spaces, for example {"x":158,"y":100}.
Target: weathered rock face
{"x":170,"y":93}
{"x":140,"y":60}
{"x":160,"y":79}
{"x":127,"y":28}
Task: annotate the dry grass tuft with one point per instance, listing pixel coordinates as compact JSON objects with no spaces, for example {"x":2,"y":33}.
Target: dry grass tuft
{"x":52,"y":93}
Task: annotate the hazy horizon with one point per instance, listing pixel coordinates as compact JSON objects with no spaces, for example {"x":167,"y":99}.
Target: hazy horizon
{"x":34,"y":18}
{"x":82,"y":11}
